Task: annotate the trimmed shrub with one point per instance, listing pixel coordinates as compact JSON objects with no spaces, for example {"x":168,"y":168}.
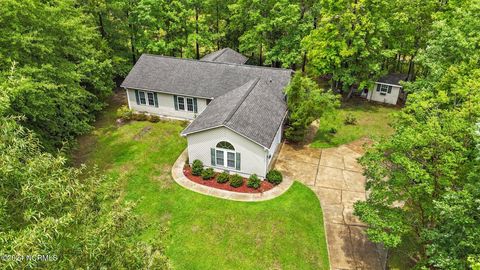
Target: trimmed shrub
{"x":253,"y":181}
{"x":125,"y":113}
{"x":208,"y":173}
{"x":197,"y":167}
{"x":153,"y":118}
{"x":223,"y":177}
{"x":350,"y":119}
{"x":236,"y":180}
{"x":275,"y":177}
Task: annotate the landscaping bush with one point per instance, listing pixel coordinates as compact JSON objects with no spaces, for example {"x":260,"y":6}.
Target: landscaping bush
{"x":153,"y":118}
{"x":236,"y":180}
{"x":197,"y":167}
{"x":275,"y":177}
{"x":139,"y":117}
{"x":350,"y":119}
{"x":208,"y":173}
{"x":124,"y":113}
{"x":253,"y":181}
{"x":332,"y":130}
{"x":223,"y":177}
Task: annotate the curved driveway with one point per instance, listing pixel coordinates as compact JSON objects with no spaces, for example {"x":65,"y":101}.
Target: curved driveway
{"x":336,"y":177}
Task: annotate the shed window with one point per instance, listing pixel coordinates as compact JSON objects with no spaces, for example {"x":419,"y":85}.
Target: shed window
{"x":384,"y":89}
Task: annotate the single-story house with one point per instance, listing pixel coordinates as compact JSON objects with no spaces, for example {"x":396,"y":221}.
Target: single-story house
{"x":237,"y":110}
{"x":387,"y":89}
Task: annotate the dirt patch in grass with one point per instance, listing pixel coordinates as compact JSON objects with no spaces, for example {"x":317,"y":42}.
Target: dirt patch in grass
{"x":264,"y":185}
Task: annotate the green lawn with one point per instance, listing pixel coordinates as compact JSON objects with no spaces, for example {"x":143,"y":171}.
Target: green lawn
{"x":205,"y":232}
{"x":372,"y":121}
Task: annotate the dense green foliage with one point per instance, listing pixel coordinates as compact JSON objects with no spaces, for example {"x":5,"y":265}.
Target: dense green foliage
{"x":424,"y":180}
{"x":236,"y":180}
{"x":62,"y":213}
{"x":197,"y":167}
{"x":275,"y":177}
{"x":208,"y":174}
{"x":54,"y":69}
{"x":253,"y":181}
{"x":306,"y":103}
{"x":223,"y":177}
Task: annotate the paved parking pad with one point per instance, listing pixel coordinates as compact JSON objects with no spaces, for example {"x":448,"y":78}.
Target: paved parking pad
{"x":336,"y":177}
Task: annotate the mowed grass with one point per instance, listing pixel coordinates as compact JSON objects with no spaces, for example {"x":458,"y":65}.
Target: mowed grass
{"x":372,"y":122}
{"x":204,"y":232}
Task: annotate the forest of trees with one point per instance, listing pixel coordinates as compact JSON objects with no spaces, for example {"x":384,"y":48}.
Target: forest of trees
{"x":61,"y":59}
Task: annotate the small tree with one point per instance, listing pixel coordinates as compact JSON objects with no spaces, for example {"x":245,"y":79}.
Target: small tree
{"x":306,"y":103}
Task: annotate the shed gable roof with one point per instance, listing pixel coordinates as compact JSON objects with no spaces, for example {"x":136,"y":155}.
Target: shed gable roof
{"x":393,"y":78}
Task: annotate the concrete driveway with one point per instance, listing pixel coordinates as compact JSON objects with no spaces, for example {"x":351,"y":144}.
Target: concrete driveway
{"x":336,"y":177}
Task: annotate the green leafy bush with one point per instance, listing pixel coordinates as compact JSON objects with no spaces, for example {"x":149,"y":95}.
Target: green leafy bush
{"x":153,"y":118}
{"x":350,"y":119}
{"x":332,"y":130}
{"x":223,"y":177}
{"x":208,"y":173}
{"x":253,"y":181}
{"x":125,"y":113}
{"x":236,"y":180}
{"x":275,"y":177}
{"x":197,"y":167}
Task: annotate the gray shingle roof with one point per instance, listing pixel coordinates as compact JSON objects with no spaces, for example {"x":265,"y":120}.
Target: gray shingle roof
{"x":393,"y":78}
{"x":198,"y":78}
{"x":247,"y":99}
{"x":252,"y":110}
{"x":225,"y":55}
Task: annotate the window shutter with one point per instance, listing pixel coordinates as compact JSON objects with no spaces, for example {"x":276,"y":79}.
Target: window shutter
{"x":137,"y":97}
{"x":378,"y":87}
{"x":155,"y":99}
{"x":175,"y":102}
{"x":212,"y":156}
{"x":237,"y":163}
{"x":389,"y":89}
{"x":195,"y":105}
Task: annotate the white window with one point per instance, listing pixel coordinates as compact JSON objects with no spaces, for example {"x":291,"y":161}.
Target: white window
{"x":384,"y":89}
{"x":181,"y":103}
{"x":220,"y":159}
{"x":231,"y":159}
{"x":142,"y":98}
{"x":151,"y":101}
{"x":225,"y":148}
{"x":190,"y":104}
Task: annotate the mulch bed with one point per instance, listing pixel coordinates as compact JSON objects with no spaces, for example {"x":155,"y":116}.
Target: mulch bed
{"x":264,"y":186}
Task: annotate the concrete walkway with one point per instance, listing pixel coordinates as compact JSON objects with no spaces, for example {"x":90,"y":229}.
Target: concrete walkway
{"x":336,"y":177}
{"x":179,"y":177}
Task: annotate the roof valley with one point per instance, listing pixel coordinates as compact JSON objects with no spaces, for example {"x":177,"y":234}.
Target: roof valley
{"x":239,"y":103}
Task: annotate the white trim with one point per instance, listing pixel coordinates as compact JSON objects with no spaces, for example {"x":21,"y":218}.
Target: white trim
{"x":128,"y":99}
{"x":185,"y":134}
{"x":396,"y":85}
{"x":146,"y":98}
{"x":165,"y":92}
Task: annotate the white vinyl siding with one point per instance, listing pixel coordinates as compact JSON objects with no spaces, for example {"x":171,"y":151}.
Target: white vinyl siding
{"x":165,"y":107}
{"x":253,"y":157}
{"x":384,"y":93}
